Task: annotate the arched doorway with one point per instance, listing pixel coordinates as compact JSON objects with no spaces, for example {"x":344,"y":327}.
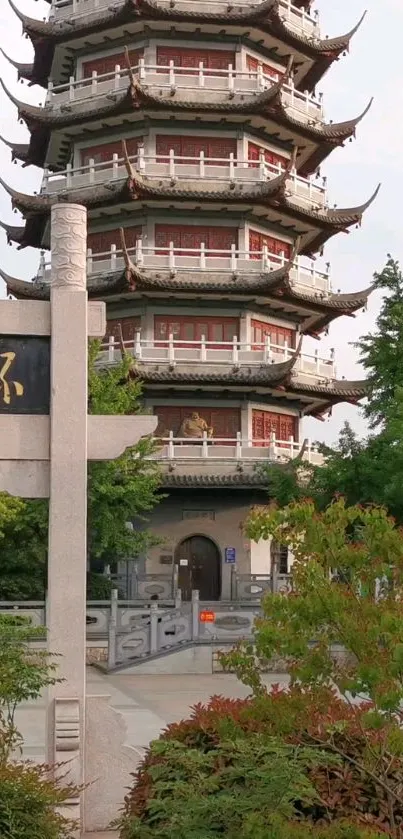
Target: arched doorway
{"x":199,"y":568}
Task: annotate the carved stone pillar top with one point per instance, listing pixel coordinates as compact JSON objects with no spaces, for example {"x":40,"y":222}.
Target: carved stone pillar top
{"x":69,"y":246}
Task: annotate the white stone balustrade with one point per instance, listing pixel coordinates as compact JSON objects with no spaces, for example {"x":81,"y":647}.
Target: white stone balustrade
{"x":299,"y":20}
{"x":305,"y":191}
{"x":304,"y":106}
{"x":214,"y":449}
{"x":178,"y":352}
{"x":210,"y":261}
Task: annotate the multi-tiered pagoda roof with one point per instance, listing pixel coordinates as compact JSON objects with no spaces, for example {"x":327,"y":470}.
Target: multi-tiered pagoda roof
{"x":259,"y":94}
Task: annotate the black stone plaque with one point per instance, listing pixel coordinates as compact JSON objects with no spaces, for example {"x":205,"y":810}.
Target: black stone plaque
{"x":24,"y":374}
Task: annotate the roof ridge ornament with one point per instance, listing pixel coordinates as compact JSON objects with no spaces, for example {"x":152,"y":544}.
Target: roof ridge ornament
{"x":130,"y":270}
{"x":129,"y":66}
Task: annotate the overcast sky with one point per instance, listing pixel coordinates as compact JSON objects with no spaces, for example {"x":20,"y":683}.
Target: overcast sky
{"x":371,"y":69}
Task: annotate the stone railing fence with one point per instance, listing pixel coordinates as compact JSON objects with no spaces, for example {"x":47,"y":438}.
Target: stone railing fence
{"x":141,"y":626}
{"x":160,"y":631}
{"x":164,"y":587}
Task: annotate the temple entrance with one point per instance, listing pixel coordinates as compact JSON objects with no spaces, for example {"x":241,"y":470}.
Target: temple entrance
{"x":199,"y":568}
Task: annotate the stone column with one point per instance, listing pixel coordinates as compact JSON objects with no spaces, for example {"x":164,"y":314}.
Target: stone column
{"x":66,"y":622}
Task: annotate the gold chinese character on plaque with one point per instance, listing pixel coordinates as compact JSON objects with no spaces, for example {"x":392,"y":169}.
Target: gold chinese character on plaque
{"x":7,"y":385}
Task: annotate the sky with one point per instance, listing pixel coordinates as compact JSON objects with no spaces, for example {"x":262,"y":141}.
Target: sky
{"x":371,"y":69}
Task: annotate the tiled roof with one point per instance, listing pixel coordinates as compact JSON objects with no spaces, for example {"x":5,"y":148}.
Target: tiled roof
{"x":324,"y":137}
{"x":265,"y":16}
{"x":275,"y":285}
{"x":269,"y":195}
{"x":271,"y":374}
{"x":237,"y":480}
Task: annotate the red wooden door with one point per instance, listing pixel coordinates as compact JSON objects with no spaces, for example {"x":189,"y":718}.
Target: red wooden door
{"x":129,"y":326}
{"x":275,"y":246}
{"x":279,"y":335}
{"x":107,"y":63}
{"x":190,"y":329}
{"x":101,"y":242}
{"x":225,"y":422}
{"x":265,"y":423}
{"x":104,"y":153}
{"x":270,"y":157}
{"x":192,"y":237}
{"x":253,"y":63}
{"x":188,"y":59}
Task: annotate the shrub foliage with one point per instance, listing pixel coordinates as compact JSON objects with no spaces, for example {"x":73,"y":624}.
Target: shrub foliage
{"x":28,"y":798}
{"x":254,"y":768}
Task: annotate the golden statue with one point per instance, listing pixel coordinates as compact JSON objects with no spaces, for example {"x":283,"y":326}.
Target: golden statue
{"x":194,"y":427}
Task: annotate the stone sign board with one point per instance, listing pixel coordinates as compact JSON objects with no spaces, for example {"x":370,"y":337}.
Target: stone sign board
{"x":24,"y":374}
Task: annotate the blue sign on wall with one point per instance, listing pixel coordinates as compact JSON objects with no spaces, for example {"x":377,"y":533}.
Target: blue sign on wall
{"x":230,"y":555}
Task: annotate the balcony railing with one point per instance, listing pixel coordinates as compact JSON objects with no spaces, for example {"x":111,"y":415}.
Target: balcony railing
{"x":177,"y":352}
{"x":253,"y":450}
{"x":177,"y":168}
{"x":206,"y":260}
{"x":298,"y":19}
{"x":202,"y":79}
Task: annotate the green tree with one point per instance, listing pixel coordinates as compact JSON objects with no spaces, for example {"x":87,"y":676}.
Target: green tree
{"x":361,"y":611}
{"x":24,"y":673}
{"x":119,"y":491}
{"x":30,"y":800}
{"x":382,"y":351}
{"x":368,"y":470}
{"x":10,"y":508}
{"x":125,"y":489}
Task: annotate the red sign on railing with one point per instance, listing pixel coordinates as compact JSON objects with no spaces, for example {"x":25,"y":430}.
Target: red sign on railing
{"x":207,"y":616}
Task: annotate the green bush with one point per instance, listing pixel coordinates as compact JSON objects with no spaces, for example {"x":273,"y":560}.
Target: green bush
{"x":28,"y":799}
{"x":254,"y":768}
{"x":14,"y":619}
{"x":99,"y":587}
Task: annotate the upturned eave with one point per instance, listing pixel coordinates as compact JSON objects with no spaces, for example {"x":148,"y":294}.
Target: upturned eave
{"x":322,"y":137}
{"x":315,"y":311}
{"x":312,"y":399}
{"x":265,"y":17}
{"x":316,"y":226}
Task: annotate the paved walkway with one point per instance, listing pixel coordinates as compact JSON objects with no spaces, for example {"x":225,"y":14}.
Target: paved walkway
{"x":147,"y":703}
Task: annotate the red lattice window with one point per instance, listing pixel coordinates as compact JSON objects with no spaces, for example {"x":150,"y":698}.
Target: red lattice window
{"x":225,"y":422}
{"x":270,"y":157}
{"x":213,"y":147}
{"x":253,"y":63}
{"x":279,"y":335}
{"x":274,"y":245}
{"x":188,"y":329}
{"x":192,"y":237}
{"x":103,"y":153}
{"x":107,"y":63}
{"x":100,"y":242}
{"x":265,"y":423}
{"x":129,"y":325}
{"x":189,"y":59}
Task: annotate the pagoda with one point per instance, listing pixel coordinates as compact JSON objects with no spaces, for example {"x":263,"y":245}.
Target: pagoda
{"x":193,"y":133}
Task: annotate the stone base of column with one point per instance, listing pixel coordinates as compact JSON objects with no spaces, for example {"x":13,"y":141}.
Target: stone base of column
{"x":109,"y":764}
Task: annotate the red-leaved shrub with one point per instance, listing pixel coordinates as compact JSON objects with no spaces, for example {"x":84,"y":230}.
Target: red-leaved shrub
{"x":314,"y":718}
